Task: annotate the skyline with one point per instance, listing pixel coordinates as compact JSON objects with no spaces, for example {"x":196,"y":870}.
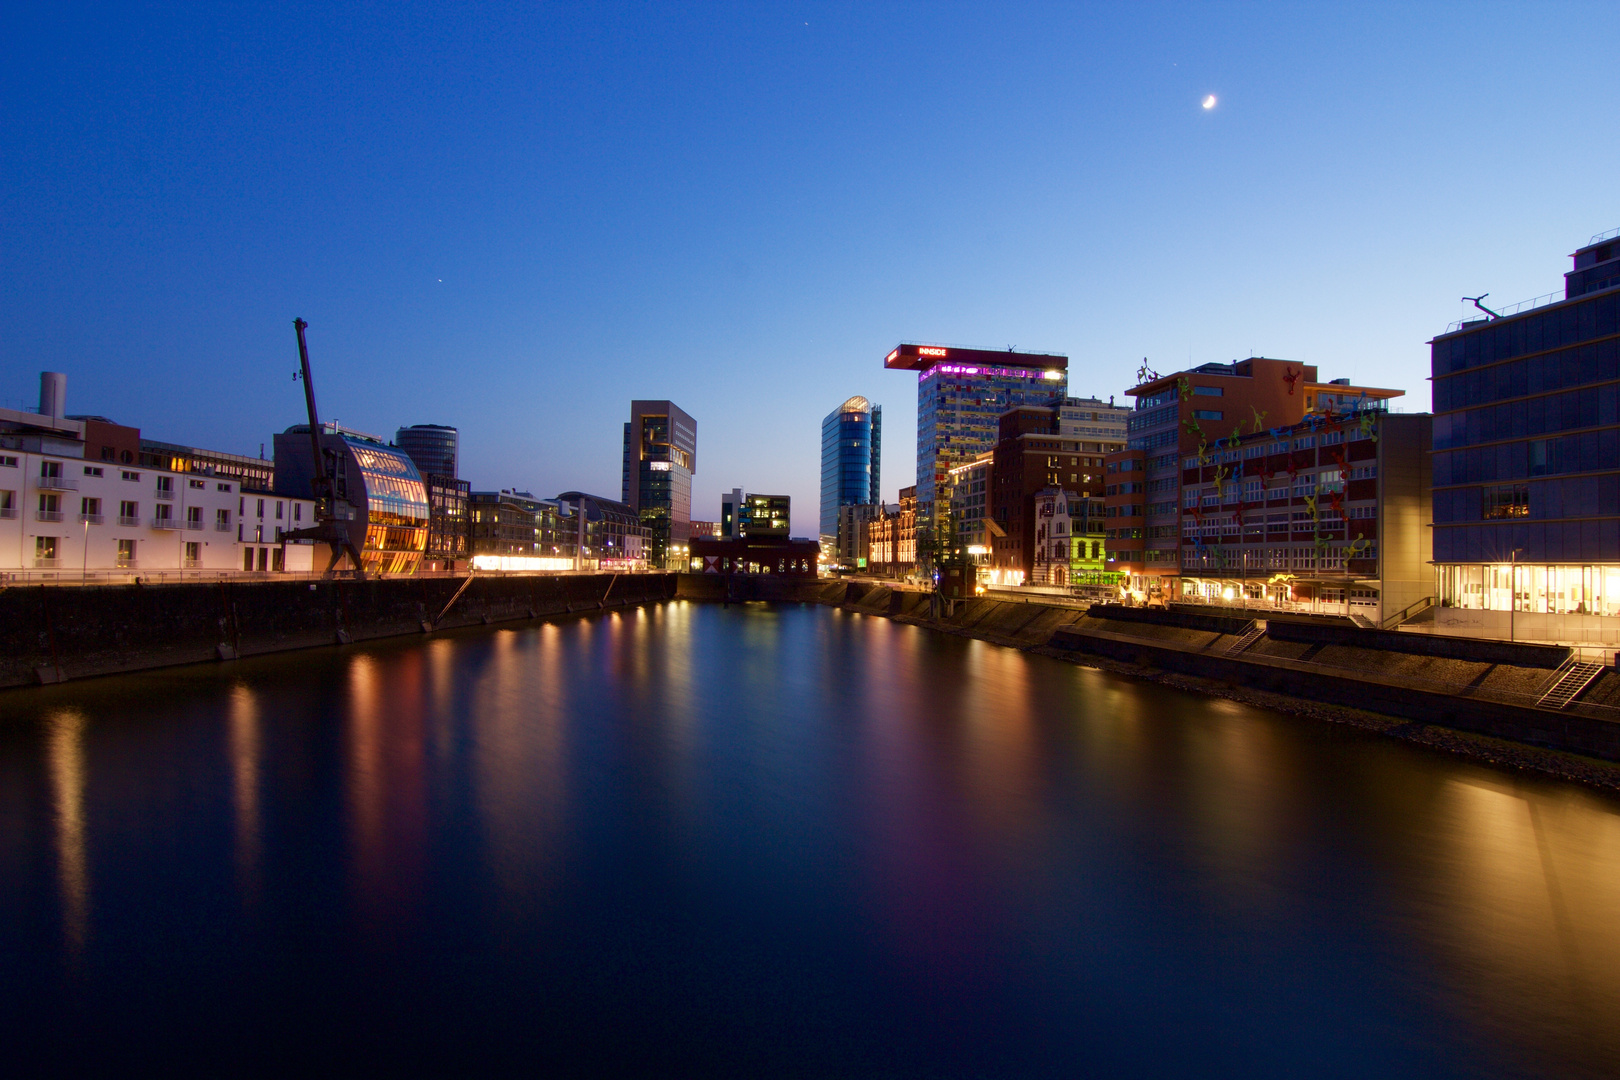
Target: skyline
{"x":514,"y":222}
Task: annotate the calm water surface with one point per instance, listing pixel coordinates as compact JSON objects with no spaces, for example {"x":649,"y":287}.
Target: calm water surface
{"x":752,"y":841}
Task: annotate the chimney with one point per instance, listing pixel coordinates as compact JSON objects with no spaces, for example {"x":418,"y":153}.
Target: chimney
{"x":52,"y":394}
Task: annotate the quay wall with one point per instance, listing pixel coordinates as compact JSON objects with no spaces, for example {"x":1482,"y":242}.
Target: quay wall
{"x":52,"y":633}
{"x":1194,"y":643}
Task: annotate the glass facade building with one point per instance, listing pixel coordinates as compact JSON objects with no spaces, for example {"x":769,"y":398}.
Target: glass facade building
{"x":433,"y":447}
{"x":381,"y":499}
{"x":660,"y":458}
{"x":961,"y":394}
{"x":851,"y":457}
{"x":1527,"y":462}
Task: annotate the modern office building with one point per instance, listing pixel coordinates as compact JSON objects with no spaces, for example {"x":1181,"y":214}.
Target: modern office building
{"x":381,"y":500}
{"x":612,"y":535}
{"x":704,"y":530}
{"x":249,"y":473}
{"x":433,"y":447}
{"x":970,"y":506}
{"x":1030,"y":456}
{"x":501,"y":523}
{"x":1527,"y":462}
{"x":849,"y":551}
{"x":1329,"y":515}
{"x":851,"y":461}
{"x":961,"y":394}
{"x":660,"y":458}
{"x":1094,"y":420}
{"x":1183,"y":415}
{"x":753,"y":515}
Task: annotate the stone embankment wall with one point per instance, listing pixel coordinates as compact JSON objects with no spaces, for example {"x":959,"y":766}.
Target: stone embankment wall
{"x":49,"y":633}
{"x":1486,"y":687}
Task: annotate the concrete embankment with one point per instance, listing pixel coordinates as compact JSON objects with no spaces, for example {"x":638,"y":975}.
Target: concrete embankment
{"x":1472,"y":697}
{"x":48,"y":633}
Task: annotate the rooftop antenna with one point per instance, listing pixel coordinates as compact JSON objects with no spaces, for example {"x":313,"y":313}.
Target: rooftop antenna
{"x":1475,"y":300}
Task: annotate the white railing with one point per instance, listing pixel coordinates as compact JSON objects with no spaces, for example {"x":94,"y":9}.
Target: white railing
{"x":222,"y":526}
{"x":194,"y":524}
{"x":166,"y":494}
{"x":165,"y":523}
{"x":129,"y":521}
{"x":8,"y":511}
{"x":47,"y":515}
{"x":90,"y":519}
{"x":59,"y":483}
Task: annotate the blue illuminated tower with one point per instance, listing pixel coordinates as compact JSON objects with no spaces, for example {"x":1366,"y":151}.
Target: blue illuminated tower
{"x":851,"y":453}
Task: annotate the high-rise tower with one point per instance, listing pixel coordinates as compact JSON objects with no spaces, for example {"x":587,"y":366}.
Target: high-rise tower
{"x":660,"y":456}
{"x":851,"y":445}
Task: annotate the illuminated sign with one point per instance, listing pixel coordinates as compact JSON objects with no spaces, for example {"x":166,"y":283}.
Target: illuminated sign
{"x":520,"y":562}
{"x":892,"y":357}
{"x":1053,"y":375}
{"x":928,"y":350}
{"x":658,"y":466}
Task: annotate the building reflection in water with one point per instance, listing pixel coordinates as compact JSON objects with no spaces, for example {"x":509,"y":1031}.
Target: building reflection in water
{"x":518,"y":708}
{"x":386,"y":789}
{"x":65,"y":753}
{"x":245,"y":739}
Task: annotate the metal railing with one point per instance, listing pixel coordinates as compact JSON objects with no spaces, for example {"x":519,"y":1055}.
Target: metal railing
{"x":1602,"y":236}
{"x":126,"y":564}
{"x":165,"y":523}
{"x":90,"y":519}
{"x":47,"y":515}
{"x":166,"y":494}
{"x":58,"y":483}
{"x":194,"y":524}
{"x":222,"y":526}
{"x":1511,"y":309}
{"x":8,"y":511}
{"x":43,"y":563}
{"x":129,"y":521}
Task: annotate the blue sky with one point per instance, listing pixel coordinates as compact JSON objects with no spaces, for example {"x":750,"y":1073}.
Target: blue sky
{"x":515,"y":220}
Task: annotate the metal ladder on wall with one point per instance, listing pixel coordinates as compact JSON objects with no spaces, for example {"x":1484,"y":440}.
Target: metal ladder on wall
{"x":1575,"y":678}
{"x":1253,"y":634}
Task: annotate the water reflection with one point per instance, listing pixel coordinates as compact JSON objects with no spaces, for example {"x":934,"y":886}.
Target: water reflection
{"x":244,"y":735}
{"x":65,"y":754}
{"x":891,"y":851}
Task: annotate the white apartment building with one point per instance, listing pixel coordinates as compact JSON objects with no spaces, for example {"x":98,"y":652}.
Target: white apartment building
{"x":65,"y":516}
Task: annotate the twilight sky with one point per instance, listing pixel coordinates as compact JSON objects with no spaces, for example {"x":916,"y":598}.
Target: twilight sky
{"x":514,"y":220}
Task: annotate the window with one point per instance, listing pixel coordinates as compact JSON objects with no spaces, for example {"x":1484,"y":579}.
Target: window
{"x":1307,"y":443}
{"x":261,"y":508}
{"x":129,"y":513}
{"x":165,"y":487}
{"x":1210,"y":391}
{"x":247,"y":559}
{"x":7,"y":461}
{"x":222,"y":520}
{"x":193,"y":553}
{"x":90,"y":511}
{"x":226,"y":488}
{"x":91,"y":470}
{"x":126,"y":553}
{"x":1208,"y":414}
{"x":8,"y":504}
{"x":194,"y":517}
{"x":1364,"y":472}
{"x":50,"y":468}
{"x":44,"y":551}
{"x":278,"y":509}
{"x":197,"y":485}
{"x":132,"y":476}
{"x":1505,"y":501}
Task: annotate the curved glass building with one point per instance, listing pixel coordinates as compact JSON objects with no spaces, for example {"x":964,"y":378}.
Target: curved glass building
{"x":381,"y":498}
{"x":431,"y":446}
{"x":851,"y":445}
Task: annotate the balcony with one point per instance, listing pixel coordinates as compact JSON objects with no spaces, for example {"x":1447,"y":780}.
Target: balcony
{"x":165,"y":523}
{"x":166,"y":494}
{"x":222,"y":526}
{"x":58,"y":483}
{"x":129,"y":521}
{"x":8,"y":511}
{"x":194,"y":524}
{"x":47,"y":515}
{"x":90,"y":519}
{"x":190,"y":564}
{"x":126,"y":563}
{"x":43,"y":563}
